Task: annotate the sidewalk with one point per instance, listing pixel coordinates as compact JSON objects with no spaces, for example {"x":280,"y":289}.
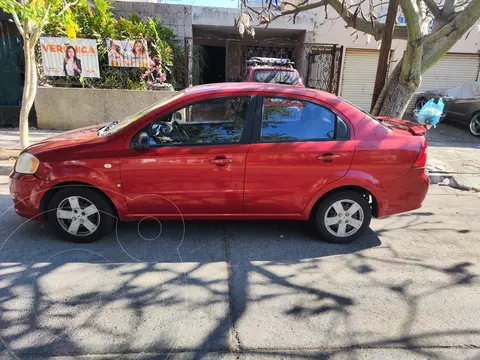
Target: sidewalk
{"x":453,"y":157}
{"x":454,"y":165}
{"x":10,"y":145}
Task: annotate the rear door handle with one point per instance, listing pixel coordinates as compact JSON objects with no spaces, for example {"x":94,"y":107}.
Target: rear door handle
{"x":328,"y":157}
{"x":221,"y":161}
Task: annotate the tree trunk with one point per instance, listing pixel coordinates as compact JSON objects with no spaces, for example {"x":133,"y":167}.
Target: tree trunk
{"x":395,"y":95}
{"x":29,"y":91}
{"x":420,"y":55}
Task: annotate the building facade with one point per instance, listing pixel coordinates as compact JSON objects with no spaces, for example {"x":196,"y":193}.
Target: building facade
{"x":328,"y":55}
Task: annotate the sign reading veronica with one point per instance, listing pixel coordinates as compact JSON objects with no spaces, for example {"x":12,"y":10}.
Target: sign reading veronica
{"x":69,"y":57}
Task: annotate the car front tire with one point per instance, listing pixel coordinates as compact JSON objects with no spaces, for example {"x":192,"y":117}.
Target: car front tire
{"x":342,"y":217}
{"x":80,"y":214}
{"x":475,"y":124}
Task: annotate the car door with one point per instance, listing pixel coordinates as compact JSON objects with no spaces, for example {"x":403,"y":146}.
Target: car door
{"x":460,"y":109}
{"x":195,"y":164}
{"x":297,"y":148}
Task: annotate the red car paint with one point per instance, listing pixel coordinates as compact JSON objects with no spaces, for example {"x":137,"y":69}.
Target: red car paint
{"x":263,"y":180}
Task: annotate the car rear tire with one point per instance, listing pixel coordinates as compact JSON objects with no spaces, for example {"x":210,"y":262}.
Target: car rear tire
{"x":80,"y":214}
{"x":342,"y":217}
{"x":475,"y":124}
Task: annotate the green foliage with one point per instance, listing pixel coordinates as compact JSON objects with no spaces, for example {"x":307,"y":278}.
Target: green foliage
{"x":98,"y":22}
{"x":34,"y":15}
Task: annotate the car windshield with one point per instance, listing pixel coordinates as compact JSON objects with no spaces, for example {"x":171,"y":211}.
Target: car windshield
{"x":275,"y":76}
{"x":116,"y":126}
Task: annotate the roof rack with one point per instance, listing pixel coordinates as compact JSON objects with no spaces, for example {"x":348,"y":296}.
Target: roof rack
{"x":254,"y":61}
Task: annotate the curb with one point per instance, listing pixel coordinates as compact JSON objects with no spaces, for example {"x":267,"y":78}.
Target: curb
{"x":450,"y":180}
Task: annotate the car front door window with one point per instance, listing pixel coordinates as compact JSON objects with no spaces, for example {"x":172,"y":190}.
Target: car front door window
{"x":208,"y":122}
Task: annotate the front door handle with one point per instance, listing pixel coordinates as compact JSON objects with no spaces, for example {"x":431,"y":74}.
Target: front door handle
{"x":328,"y":157}
{"x":221,"y":161}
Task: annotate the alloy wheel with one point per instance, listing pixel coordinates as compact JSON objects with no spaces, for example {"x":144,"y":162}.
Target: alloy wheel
{"x":344,"y":218}
{"x":78,"y":216}
{"x":475,"y":125}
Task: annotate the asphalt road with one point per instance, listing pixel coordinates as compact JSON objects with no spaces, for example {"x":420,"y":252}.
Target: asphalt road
{"x":448,"y":132}
{"x":409,"y":289}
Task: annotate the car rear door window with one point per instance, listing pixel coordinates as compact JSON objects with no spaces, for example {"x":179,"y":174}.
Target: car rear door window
{"x":296,"y":120}
{"x":212,"y":121}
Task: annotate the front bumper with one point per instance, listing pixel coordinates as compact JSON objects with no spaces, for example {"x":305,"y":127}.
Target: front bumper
{"x":27,"y":192}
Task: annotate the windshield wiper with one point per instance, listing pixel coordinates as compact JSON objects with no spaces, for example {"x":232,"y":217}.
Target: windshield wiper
{"x":106,"y":128}
{"x":110,"y":125}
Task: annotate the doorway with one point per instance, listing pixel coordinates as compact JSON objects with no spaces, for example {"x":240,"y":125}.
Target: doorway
{"x":210,"y":64}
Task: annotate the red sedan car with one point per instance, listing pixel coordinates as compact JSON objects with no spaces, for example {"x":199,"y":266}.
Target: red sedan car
{"x":227,"y":151}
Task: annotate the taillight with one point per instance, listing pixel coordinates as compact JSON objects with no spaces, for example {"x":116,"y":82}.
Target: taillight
{"x":422,"y":155}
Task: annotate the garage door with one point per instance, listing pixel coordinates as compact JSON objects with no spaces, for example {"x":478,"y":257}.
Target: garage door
{"x":450,"y":71}
{"x":358,"y":77}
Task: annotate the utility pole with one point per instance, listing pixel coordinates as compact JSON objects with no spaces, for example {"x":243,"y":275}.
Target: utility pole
{"x":385,"y":47}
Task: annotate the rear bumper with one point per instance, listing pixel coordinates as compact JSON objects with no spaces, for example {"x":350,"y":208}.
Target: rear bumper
{"x":27,"y":192}
{"x":406,"y":193}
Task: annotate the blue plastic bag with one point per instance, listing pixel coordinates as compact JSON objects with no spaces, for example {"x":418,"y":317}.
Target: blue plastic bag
{"x":431,"y":113}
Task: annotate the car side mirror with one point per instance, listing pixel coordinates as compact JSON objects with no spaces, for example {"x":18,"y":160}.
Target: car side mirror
{"x":142,"y":142}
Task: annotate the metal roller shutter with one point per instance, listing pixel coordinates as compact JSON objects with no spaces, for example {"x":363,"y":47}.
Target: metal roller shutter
{"x":358,"y":77}
{"x":450,"y":71}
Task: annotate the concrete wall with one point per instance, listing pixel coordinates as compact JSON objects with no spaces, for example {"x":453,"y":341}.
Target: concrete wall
{"x":213,"y":16}
{"x":176,"y":17}
{"x":181,"y":18}
{"x":71,"y":108}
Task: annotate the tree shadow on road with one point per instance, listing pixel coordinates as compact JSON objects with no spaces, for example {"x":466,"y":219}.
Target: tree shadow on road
{"x":254,"y":289}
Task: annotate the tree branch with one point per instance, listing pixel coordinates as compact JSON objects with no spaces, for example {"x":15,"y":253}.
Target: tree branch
{"x":448,"y":8}
{"x":17,"y":22}
{"x":67,"y":6}
{"x":440,"y":42}
{"x":303,"y":6}
{"x":433,"y":7}
{"x":412,"y":64}
{"x":372,"y":27}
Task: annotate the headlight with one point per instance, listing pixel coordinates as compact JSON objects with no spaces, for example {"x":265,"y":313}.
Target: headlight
{"x":26,"y":164}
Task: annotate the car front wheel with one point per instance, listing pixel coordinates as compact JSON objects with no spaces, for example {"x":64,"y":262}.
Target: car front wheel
{"x":342,"y":217}
{"x":475,"y":124}
{"x":80,"y":214}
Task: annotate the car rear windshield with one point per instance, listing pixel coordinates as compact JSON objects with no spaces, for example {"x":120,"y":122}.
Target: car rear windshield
{"x":366,"y":113}
{"x":275,"y":76}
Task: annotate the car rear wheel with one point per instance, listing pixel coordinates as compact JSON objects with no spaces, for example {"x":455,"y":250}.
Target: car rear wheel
{"x":342,"y":217}
{"x":475,"y":125}
{"x":80,"y":214}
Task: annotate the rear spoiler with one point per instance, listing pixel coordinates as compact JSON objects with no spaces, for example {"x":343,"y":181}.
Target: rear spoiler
{"x":414,"y":129}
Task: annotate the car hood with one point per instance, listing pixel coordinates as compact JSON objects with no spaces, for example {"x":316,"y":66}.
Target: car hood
{"x":67,"y":139}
